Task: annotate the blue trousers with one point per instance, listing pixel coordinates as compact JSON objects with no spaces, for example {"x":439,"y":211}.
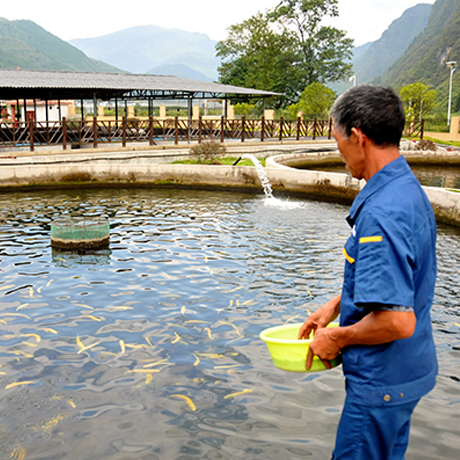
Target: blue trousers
{"x":373,"y":433}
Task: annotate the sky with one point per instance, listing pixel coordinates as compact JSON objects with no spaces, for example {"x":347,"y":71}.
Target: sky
{"x":364,"y":20}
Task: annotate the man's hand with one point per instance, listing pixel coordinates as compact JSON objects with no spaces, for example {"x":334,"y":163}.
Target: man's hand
{"x":324,"y":346}
{"x":320,"y":318}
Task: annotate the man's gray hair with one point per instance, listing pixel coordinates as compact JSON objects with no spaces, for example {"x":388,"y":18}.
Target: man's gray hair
{"x":377,"y":111}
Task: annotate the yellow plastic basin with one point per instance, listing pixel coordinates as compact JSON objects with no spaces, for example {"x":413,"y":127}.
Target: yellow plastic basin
{"x":288,"y":353}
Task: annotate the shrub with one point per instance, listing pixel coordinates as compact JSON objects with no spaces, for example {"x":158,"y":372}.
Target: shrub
{"x":207,"y":152}
{"x":426,"y":144}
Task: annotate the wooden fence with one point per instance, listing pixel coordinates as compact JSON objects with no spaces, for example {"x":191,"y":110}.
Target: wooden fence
{"x":152,"y":131}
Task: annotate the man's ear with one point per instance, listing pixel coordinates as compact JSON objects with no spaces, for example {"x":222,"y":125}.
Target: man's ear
{"x":358,"y":136}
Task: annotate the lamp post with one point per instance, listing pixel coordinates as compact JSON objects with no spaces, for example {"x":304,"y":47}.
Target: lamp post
{"x":453,"y":67}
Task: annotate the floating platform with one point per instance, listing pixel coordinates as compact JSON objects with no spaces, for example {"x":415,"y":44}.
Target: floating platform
{"x":80,"y":233}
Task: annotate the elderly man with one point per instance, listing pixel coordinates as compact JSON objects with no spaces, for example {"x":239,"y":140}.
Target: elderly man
{"x":385,"y":334}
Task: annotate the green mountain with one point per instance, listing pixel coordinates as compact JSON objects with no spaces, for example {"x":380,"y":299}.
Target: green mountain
{"x":425,"y":58}
{"x":143,"y":48}
{"x":28,"y":46}
{"x":392,"y":44}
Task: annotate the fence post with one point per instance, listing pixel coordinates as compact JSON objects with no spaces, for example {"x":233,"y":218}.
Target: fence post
{"x":330,"y":129}
{"x":299,"y":121}
{"x":199,"y":129}
{"x":262,"y":133}
{"x":222,"y":129}
{"x":243,"y":122}
{"x":314,"y":128}
{"x":95,"y":132}
{"x":422,"y":128}
{"x":281,"y":129}
{"x":64,"y":133}
{"x":150,"y":130}
{"x":31,"y":134}
{"x":176,"y":130}
{"x":123,"y":131}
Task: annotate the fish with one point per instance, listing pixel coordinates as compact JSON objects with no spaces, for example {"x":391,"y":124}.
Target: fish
{"x":87,"y":348}
{"x":187,"y":399}
{"x":157,"y":363}
{"x":8,"y":286}
{"x":177,"y":338}
{"x":233,"y":290}
{"x":18,"y":453}
{"x":209,"y":332}
{"x":231,"y":303}
{"x":229,"y":366}
{"x":122,"y":346}
{"x":231,"y":395}
{"x":17,"y":314}
{"x":35,"y":336}
{"x":197,"y":361}
{"x":234,"y":327}
{"x":148,"y":378}
{"x":91,"y":317}
{"x":19,"y":352}
{"x":16,"y":384}
{"x":48,"y":329}
{"x":148,"y":341}
{"x":142,"y":371}
{"x":84,"y":306}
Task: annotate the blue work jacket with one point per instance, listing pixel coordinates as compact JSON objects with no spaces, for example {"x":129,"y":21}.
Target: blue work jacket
{"x":390,"y":261}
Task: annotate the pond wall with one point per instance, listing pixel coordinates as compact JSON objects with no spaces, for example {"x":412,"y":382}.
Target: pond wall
{"x":149,"y":169}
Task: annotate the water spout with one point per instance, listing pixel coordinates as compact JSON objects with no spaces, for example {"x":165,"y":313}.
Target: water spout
{"x":262,"y":175}
{"x":270,"y":200}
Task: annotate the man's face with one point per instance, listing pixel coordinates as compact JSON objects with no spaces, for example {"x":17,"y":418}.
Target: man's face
{"x":350,"y":152}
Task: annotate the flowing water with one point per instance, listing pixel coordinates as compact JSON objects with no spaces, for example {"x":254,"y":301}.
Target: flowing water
{"x":150,"y":350}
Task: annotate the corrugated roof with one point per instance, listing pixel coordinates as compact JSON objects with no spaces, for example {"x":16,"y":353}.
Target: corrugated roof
{"x":56,"y":85}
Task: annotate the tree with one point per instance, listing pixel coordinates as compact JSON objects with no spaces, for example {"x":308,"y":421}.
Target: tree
{"x":286,"y":49}
{"x":315,"y":101}
{"x":322,"y":51}
{"x":419,"y":100}
{"x":255,"y":56}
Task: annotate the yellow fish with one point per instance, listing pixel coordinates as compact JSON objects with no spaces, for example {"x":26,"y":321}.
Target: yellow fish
{"x":177,"y":338}
{"x":87,"y":348}
{"x":157,"y":363}
{"x":84,"y":306}
{"x":209,"y":332}
{"x":48,"y":329}
{"x":148,"y":341}
{"x":35,"y":336}
{"x":17,"y":314}
{"x":233,"y":290}
{"x":16,"y":384}
{"x":19,"y":352}
{"x":18,"y":453}
{"x":8,"y":286}
{"x":22,"y":306}
{"x":142,"y":371}
{"x":238,"y":393}
{"x":187,"y":399}
{"x":197,"y":361}
{"x":148,"y":378}
{"x":457,"y":324}
{"x":91,"y":317}
{"x":122,"y":346}
{"x":228,"y":366}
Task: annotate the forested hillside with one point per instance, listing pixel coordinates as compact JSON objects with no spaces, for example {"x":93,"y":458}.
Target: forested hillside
{"x":28,"y":46}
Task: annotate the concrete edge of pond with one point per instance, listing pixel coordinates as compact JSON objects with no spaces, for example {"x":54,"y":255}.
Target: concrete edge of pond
{"x":446,"y":203}
{"x":70,"y":170}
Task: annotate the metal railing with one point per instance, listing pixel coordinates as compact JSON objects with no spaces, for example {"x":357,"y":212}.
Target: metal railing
{"x":92,"y":133}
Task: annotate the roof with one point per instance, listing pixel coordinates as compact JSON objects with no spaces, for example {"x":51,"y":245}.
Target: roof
{"x":85,"y":85}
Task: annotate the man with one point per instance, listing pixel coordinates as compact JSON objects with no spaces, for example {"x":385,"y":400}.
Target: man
{"x":385,"y":334}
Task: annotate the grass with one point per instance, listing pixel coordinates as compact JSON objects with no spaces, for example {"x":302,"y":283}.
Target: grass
{"x":438,"y":141}
{"x":228,"y":161}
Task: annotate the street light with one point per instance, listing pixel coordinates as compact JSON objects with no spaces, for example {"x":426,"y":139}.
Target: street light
{"x":453,"y":67}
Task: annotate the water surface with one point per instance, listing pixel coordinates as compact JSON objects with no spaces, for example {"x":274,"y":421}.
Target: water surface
{"x":150,"y":350}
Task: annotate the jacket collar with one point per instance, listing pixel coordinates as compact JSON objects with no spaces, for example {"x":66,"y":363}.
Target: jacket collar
{"x":379,"y":180}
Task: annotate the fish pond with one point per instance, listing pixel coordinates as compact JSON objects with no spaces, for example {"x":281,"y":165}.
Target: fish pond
{"x":150,"y":349}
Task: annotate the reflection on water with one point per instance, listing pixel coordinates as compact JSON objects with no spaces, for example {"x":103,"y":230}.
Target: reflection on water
{"x":150,"y":349}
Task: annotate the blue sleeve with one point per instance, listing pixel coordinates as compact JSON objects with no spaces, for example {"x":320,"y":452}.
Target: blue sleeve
{"x":384,"y":262}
